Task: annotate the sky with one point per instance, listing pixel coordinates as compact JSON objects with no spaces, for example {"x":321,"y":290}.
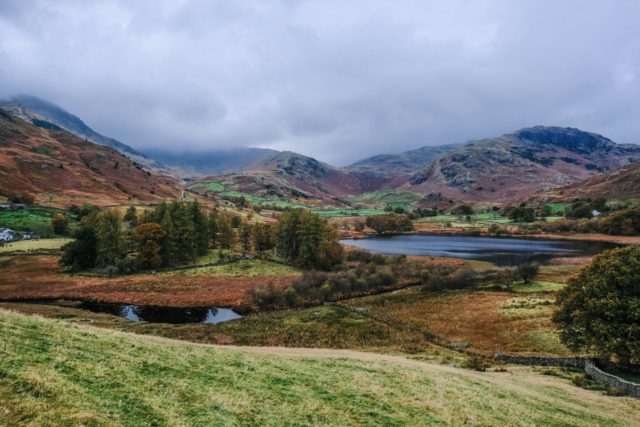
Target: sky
{"x":338,"y":80}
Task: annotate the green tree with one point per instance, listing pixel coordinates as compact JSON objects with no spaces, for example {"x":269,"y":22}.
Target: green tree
{"x":131,"y":216}
{"x":110,"y":242}
{"x":307,"y":241}
{"x":226,"y":235}
{"x":600,"y":308}
{"x":148,"y":238}
{"x":169,"y":247}
{"x":263,"y":237}
{"x":245,"y":234}
{"x":527,"y":271}
{"x":213,"y":229}
{"x":201,"y":228}
{"x":81,"y":253}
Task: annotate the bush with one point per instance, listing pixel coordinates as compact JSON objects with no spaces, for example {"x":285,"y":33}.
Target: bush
{"x":476,"y":362}
{"x":391,"y":223}
{"x":527,"y":271}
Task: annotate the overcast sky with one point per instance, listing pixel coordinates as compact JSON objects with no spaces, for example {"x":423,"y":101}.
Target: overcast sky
{"x":338,"y":80}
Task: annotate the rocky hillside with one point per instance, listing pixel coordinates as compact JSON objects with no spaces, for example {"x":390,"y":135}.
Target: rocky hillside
{"x":622,"y":183}
{"x":47,"y":115}
{"x":60,"y":168}
{"x":399,"y":167}
{"x":285,"y":176}
{"x":517,"y":165}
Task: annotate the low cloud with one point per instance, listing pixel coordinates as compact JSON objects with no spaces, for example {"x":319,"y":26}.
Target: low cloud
{"x":333,"y":79}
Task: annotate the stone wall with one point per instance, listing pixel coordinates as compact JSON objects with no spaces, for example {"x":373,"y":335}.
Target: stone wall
{"x":567,"y":362}
{"x":611,"y":381}
{"x":608,"y":380}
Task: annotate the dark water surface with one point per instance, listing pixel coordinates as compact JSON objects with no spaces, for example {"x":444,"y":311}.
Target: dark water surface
{"x":499,"y":250}
{"x":141,"y":313}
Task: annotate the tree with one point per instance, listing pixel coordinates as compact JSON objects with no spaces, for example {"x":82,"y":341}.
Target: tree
{"x":110,"y":243}
{"x":245,"y":234}
{"x":59,"y":224}
{"x":131,"y":216}
{"x":521,"y":214}
{"x":389,"y":223}
{"x":462,"y":210}
{"x":600,"y":308}
{"x":148,"y":238}
{"x":213,"y":228}
{"x":81,"y":253}
{"x":226,"y":235}
{"x":527,"y":271}
{"x":168,"y":247}
{"x":307,"y":241}
{"x":263,"y":237}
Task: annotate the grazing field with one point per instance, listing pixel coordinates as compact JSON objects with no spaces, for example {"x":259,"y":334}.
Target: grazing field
{"x":34,"y":245}
{"x":37,"y":219}
{"x":40,"y":277}
{"x":54,"y":373}
{"x":329,"y":326}
{"x":245,"y":268}
{"x":486,"y":321}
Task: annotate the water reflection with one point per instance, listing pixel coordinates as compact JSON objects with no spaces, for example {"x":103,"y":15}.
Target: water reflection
{"x":141,"y":313}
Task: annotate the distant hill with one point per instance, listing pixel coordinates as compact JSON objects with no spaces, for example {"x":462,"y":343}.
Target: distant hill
{"x":285,"y":176}
{"x":59,"y":168}
{"x":517,"y":165}
{"x":404,"y":164}
{"x":505,"y":169}
{"x":212,"y":162}
{"x":622,"y":183}
{"x":45,"y":114}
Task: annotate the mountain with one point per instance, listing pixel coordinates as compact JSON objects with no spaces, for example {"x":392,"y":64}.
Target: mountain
{"x":403,"y":164}
{"x":517,"y":165}
{"x":59,"y":168}
{"x":45,"y":114}
{"x":285,"y":176}
{"x":622,"y":183}
{"x":212,"y":162}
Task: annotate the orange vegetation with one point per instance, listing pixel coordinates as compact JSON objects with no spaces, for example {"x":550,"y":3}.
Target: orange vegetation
{"x":34,"y":277}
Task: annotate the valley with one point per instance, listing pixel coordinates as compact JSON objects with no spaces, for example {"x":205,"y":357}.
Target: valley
{"x":406,"y":273}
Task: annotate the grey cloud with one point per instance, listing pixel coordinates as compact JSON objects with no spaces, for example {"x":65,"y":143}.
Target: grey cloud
{"x":333,"y":79}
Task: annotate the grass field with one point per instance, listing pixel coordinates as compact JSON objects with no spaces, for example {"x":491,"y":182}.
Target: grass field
{"x":37,"y":219}
{"x":54,"y":373}
{"x":393,"y":198}
{"x":510,"y":322}
{"x":245,"y":268}
{"x":34,"y":245}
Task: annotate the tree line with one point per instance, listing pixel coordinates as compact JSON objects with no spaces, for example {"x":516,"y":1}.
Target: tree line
{"x":179,"y":232}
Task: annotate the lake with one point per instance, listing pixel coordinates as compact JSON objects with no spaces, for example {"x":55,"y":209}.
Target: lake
{"x":499,"y":250}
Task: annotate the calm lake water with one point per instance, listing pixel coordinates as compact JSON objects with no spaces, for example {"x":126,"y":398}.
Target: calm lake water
{"x":140,"y":313}
{"x":499,"y":250}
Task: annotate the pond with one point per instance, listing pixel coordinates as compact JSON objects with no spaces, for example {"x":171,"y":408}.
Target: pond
{"x":499,"y":250}
{"x":141,"y":313}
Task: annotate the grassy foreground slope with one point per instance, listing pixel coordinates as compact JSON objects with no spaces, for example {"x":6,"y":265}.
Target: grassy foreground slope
{"x":56,"y":373}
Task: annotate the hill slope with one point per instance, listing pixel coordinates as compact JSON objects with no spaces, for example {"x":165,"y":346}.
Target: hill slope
{"x":622,"y":183}
{"x":46,"y":114}
{"x":58,"y":373}
{"x":517,"y":165}
{"x":213,"y":162}
{"x":60,"y":168}
{"x":402,"y":164}
{"x":289,"y":176}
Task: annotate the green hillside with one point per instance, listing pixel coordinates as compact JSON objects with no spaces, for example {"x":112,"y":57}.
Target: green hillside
{"x":56,"y":373}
